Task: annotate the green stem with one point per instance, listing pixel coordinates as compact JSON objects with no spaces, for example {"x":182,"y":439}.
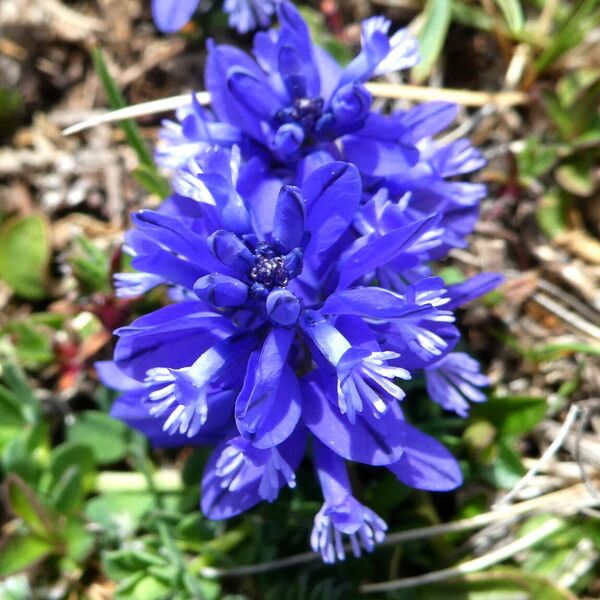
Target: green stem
{"x":161,"y":481}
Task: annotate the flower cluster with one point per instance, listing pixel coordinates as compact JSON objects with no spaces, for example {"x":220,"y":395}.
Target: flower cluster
{"x":296,"y":250}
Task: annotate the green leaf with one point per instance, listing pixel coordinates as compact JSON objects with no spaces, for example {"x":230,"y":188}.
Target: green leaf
{"x":551,"y":213}
{"x":117,"y":100}
{"x":24,"y":503}
{"x":107,"y":438}
{"x":70,"y":466}
{"x":70,"y":454}
{"x":21,"y":552}
{"x":152,"y":181}
{"x":577,"y":177}
{"x":67,"y":493}
{"x":211,"y":590}
{"x":194,"y":528}
{"x":79,"y":542}
{"x":90,"y":266}
{"x":322,"y":37}
{"x":126,"y":587}
{"x":511,"y":415}
{"x":480,"y":435}
{"x":120,"y":564}
{"x":548,"y":352}
{"x":10,"y":409}
{"x":570,"y":550}
{"x":573,"y":83}
{"x":559,"y":115}
{"x":535,"y":159}
{"x":506,"y":469}
{"x":25,"y":255}
{"x":512,"y":13}
{"x":584,"y":109}
{"x":471,"y":16}
{"x":16,"y":381}
{"x":451,"y":275}
{"x":33,"y":344}
{"x":17,"y":402}
{"x":25,"y":454}
{"x":151,"y":588}
{"x":12,"y":110}
{"x":120,"y":513}
{"x":432,"y":35}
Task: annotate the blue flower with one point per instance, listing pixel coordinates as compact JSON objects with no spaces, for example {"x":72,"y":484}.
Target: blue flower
{"x":341,"y":514}
{"x":291,"y":99}
{"x":244,"y":15}
{"x":455,"y":380}
{"x":296,"y":250}
{"x":277,"y":332}
{"x":247,"y":15}
{"x":290,"y":109}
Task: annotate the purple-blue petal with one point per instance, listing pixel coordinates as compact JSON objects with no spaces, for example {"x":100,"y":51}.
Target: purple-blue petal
{"x":472,"y":288}
{"x":172,"y":15}
{"x":231,"y":251}
{"x":253,"y":92}
{"x":172,"y":337}
{"x":426,"y":464}
{"x":429,"y":118}
{"x":288,"y":222}
{"x":372,"y":302}
{"x":383,"y":249}
{"x":283,"y":307}
{"x":267,"y":416}
{"x":221,"y":290}
{"x":219,"y":502}
{"x":332,"y":195}
{"x":259,"y":392}
{"x":369,"y":440}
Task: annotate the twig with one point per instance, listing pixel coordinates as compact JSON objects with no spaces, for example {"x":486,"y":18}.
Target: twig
{"x":573,"y":498}
{"x":552,"y":449}
{"x":472,"y":566}
{"x":464,"y":97}
{"x":576,"y":304}
{"x":583,"y":447}
{"x":567,"y":316}
{"x":382,"y":90}
{"x":566,"y":470}
{"x":53,"y":15}
{"x":579,"y":436}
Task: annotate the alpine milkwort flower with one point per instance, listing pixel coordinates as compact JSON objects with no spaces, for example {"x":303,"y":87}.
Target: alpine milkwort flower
{"x":244,"y":15}
{"x":290,"y":107}
{"x":300,"y":279}
{"x":291,"y":100}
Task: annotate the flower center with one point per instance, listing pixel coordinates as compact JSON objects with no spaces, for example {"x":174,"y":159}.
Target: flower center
{"x":305,"y":112}
{"x":269,"y":269}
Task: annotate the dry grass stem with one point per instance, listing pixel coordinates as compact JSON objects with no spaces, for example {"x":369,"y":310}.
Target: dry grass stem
{"x":572,"y":499}
{"x":381,"y":90}
{"x":471,"y":566}
{"x":546,"y":457}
